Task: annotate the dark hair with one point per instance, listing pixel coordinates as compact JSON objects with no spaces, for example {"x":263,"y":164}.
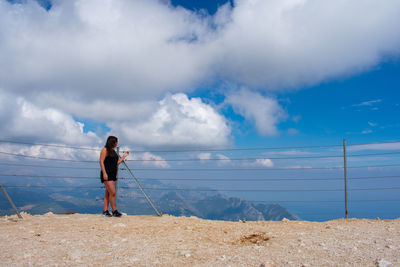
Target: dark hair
{"x":110,"y":144}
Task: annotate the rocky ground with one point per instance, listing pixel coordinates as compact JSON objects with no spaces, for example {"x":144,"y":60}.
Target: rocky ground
{"x":94,"y":240}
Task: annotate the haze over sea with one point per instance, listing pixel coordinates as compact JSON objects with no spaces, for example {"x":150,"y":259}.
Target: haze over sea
{"x":250,"y":98}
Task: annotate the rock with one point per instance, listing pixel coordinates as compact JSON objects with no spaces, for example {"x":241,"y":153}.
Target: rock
{"x":382,"y":263}
{"x":187,"y":255}
{"x":76,"y":254}
{"x":119,"y":225}
{"x":285,"y":220}
{"x":133,"y":260}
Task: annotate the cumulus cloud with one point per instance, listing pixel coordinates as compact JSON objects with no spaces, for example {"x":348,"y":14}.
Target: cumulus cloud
{"x":223,"y":160}
{"x":140,"y":49}
{"x":30,"y":152}
{"x":265,"y":162}
{"x":22,"y":119}
{"x":112,"y":60}
{"x":265,"y":112}
{"x":174,"y":121}
{"x":154,"y":160}
{"x":177,"y":121}
{"x":107,"y":49}
{"x":204,"y":156}
{"x":102,"y":110}
{"x":289,"y":43}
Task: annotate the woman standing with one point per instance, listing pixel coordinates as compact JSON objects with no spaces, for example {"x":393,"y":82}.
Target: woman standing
{"x":109,"y":168}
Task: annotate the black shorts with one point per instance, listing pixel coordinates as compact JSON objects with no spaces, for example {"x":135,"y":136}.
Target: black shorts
{"x":111,"y":176}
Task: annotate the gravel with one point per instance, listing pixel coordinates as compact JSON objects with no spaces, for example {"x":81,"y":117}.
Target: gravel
{"x":94,"y":240}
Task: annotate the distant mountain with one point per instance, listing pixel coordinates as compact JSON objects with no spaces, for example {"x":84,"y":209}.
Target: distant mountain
{"x":213,"y":206}
{"x":275,"y":212}
{"x":219,"y":207}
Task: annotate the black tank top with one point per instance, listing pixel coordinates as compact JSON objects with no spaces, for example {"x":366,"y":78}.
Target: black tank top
{"x":111,"y":166}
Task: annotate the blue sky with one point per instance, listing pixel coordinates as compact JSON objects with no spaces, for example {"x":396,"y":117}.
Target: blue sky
{"x":359,"y":107}
{"x":186,"y":74}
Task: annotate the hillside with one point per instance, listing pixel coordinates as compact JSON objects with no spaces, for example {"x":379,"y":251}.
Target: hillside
{"x":214,"y":206}
{"x":93,"y":240}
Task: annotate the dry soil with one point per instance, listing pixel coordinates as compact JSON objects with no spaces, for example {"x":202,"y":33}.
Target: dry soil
{"x":94,"y":240}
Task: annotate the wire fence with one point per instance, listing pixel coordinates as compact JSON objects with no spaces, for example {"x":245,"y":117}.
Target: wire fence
{"x":306,"y":180}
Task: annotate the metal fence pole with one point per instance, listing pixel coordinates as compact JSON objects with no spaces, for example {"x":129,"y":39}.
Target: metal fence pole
{"x":142,"y":189}
{"x":345,"y":178}
{"x":10,"y":201}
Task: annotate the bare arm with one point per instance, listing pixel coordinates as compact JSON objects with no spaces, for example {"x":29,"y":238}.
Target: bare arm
{"x":123,"y":157}
{"x":103,"y":155}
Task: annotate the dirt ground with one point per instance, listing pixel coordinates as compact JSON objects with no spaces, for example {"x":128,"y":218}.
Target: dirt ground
{"x":94,"y":240}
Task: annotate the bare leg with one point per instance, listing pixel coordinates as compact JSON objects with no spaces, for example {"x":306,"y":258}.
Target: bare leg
{"x":110,"y":185}
{"x":106,"y":199}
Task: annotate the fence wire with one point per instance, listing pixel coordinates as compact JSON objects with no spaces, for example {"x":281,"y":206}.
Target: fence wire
{"x":242,"y":175}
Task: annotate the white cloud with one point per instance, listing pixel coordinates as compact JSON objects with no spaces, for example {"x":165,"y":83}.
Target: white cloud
{"x":204,"y":156}
{"x":368,"y":103}
{"x":223,"y":160}
{"x":263,"y":111}
{"x":290,"y":152}
{"x":297,"y":167}
{"x":368,"y":131}
{"x":111,"y":60}
{"x":99,"y":110}
{"x":276,"y":44}
{"x":177,"y":121}
{"x":101,"y":49}
{"x":174,"y":121}
{"x":223,"y":157}
{"x":30,"y":152}
{"x":22,"y":119}
{"x":151,"y":159}
{"x":265,"y":162}
{"x":372,"y":146}
{"x":121,"y":49}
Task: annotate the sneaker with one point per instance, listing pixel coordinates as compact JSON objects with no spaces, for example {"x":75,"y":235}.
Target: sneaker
{"x":116,"y":213}
{"x":106,"y":213}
